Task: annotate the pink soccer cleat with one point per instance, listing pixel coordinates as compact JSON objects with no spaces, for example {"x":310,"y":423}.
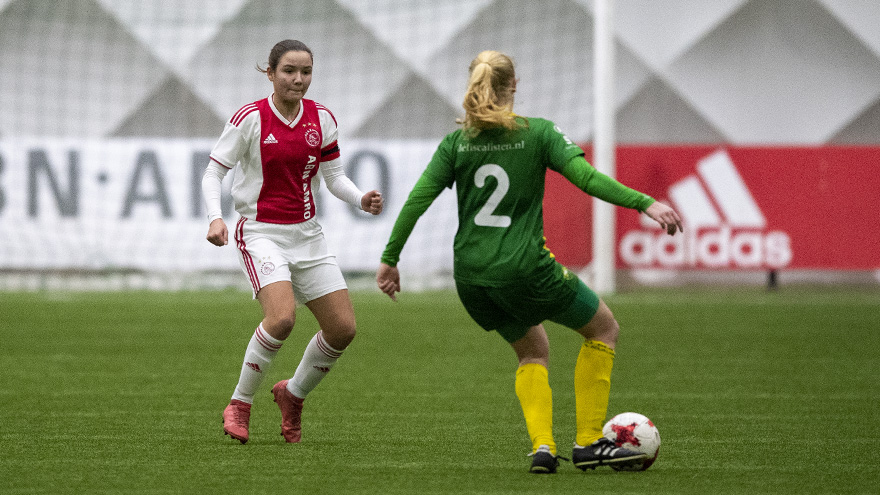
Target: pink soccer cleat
{"x":236,"y":418}
{"x":291,"y":412}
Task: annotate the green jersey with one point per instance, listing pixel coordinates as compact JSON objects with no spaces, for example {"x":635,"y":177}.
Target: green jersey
{"x":499,"y":176}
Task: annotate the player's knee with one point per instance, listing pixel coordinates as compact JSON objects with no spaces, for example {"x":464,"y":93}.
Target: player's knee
{"x":286,"y":322}
{"x":279,"y":326}
{"x":611,"y":333}
{"x":533,"y":347}
{"x":603,"y":327}
{"x":341,"y":335}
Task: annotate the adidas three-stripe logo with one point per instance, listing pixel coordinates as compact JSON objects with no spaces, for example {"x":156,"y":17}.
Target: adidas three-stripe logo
{"x":724,"y":227}
{"x":735,"y":205}
{"x":270,"y":139}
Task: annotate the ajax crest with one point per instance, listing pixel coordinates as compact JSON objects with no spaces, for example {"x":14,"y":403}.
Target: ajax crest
{"x":267,"y":268}
{"x":313,"y":138}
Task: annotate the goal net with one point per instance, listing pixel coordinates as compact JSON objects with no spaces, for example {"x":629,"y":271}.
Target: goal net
{"x":110,"y":108}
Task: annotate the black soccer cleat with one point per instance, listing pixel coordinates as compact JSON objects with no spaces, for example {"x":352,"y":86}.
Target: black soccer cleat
{"x":603,"y":452}
{"x":543,"y":462}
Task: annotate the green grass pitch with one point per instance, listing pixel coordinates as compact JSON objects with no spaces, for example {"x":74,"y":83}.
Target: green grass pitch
{"x":753,"y":392}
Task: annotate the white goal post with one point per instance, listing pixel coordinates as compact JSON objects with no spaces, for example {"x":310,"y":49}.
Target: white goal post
{"x":604,"y":220}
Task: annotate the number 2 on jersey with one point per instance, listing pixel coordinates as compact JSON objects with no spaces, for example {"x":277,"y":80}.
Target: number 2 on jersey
{"x":485,"y":217}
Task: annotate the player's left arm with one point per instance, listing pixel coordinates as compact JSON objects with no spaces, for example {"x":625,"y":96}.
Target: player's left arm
{"x":334,"y":175}
{"x":601,"y":186}
{"x":343,"y":188}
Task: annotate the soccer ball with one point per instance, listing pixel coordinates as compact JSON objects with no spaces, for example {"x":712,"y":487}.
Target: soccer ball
{"x":635,"y":432}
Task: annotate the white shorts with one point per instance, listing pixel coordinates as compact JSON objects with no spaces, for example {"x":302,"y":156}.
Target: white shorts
{"x":269,"y":252}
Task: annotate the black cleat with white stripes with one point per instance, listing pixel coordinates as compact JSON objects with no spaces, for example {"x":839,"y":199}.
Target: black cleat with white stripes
{"x":603,"y":452}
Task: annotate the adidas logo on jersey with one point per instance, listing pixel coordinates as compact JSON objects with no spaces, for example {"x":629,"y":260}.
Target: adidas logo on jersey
{"x":270,"y":139}
{"x":724,"y":227}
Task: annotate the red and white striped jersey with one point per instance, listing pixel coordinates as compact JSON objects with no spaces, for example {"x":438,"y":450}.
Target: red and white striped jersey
{"x":277,"y":159}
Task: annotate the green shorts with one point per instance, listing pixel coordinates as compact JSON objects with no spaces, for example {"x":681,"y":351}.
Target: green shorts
{"x":557,"y":295}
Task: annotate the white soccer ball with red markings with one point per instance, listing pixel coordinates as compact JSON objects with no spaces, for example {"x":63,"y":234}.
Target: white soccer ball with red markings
{"x":634,"y":431}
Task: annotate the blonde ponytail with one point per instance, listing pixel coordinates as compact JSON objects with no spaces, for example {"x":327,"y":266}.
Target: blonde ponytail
{"x":488,"y":101}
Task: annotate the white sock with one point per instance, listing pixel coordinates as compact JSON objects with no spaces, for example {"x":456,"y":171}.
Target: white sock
{"x":258,"y":357}
{"x":316,"y":362}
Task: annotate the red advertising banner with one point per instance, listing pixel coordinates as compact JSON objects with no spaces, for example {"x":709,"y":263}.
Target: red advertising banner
{"x":743,"y":208}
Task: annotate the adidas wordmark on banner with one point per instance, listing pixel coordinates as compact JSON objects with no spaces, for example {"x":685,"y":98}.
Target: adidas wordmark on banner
{"x":724,"y":226}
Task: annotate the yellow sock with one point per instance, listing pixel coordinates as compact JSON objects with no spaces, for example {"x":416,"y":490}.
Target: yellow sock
{"x":536,"y":398}
{"x":592,"y":386}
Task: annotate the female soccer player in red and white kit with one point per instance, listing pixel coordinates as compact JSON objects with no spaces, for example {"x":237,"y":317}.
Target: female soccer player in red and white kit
{"x":279,"y":144}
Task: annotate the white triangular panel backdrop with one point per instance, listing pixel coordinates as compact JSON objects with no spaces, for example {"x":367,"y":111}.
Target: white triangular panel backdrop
{"x":794,"y":72}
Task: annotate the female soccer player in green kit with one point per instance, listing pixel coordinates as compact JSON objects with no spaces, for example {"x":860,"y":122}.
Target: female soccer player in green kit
{"x":506,"y":278}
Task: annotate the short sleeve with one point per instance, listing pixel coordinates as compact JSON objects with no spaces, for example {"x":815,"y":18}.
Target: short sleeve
{"x":233,"y":142}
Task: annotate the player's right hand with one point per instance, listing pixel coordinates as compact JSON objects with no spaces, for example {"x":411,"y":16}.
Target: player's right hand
{"x":218,"y":235}
{"x":388,"y":280}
